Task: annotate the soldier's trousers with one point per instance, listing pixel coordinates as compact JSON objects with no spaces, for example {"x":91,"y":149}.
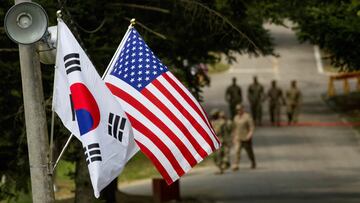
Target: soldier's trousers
{"x":247,"y":145}
{"x":274,"y":114}
{"x":256,"y":112}
{"x":222,"y":159}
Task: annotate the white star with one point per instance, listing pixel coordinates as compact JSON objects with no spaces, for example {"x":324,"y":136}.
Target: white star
{"x":147,"y":78}
{"x":120,"y":72}
{"x":134,"y":36}
{"x":154,"y":72}
{"x":161,"y":69}
{"x":140,"y":60}
{"x":127,"y":50}
{"x":132,"y":73}
{"x":139,"y":79}
{"x":147,"y":72}
{"x":147,"y":65}
{"x":133,"y":61}
{"x":126,"y":69}
{"x":126,"y":75}
{"x":154,"y":66}
{"x":147,"y":60}
{"x":132,"y":67}
{"x":139,"y":85}
{"x":146,"y":49}
{"x":127,"y":56}
{"x":133,"y":54}
{"x":140,"y":53}
{"x":126,"y":62}
{"x":127,"y":45}
{"x":154,"y":61}
{"x":132,"y":80}
{"x":140,"y":72}
{"x":140,"y":66}
{"x":120,"y":66}
{"x":134,"y":42}
{"x":133,"y":48}
{"x":140,"y":48}
{"x":147,"y":54}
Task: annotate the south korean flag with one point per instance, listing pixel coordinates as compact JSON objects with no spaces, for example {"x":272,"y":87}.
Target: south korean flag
{"x":90,"y":112}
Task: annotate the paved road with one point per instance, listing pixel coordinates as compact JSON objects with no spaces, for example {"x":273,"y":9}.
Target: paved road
{"x":296,"y":164}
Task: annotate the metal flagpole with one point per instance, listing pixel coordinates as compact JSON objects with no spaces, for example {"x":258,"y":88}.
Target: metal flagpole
{"x":132,"y":23}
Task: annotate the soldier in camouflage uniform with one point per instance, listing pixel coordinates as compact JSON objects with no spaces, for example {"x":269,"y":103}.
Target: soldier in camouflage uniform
{"x":233,"y":96}
{"x":256,"y":97}
{"x":222,"y":127}
{"x":293,"y":100}
{"x":276,"y":100}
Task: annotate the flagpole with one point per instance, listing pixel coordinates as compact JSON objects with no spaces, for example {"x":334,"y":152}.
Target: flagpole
{"x":121,"y":45}
{"x":62,"y":151}
{"x":132,"y":23}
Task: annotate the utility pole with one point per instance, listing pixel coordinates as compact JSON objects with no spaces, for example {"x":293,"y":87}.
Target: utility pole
{"x":36,"y":125}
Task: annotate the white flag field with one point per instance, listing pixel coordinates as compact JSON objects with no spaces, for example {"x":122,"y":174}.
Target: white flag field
{"x":169,"y":125}
{"x":88,"y":110}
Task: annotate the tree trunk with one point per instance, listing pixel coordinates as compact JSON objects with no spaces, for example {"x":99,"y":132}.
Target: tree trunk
{"x":83,"y":192}
{"x":109,"y":192}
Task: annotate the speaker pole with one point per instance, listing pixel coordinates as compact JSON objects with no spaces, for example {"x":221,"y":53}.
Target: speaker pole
{"x":36,"y":126}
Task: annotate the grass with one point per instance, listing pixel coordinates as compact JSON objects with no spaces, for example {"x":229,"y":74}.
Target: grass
{"x":347,"y":105}
{"x":218,"y":68}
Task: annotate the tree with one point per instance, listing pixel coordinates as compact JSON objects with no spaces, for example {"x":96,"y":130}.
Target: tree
{"x":333,"y":25}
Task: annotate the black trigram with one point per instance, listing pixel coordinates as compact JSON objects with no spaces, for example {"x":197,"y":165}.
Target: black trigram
{"x":92,"y":153}
{"x":116,"y":126}
{"x":72,"y":62}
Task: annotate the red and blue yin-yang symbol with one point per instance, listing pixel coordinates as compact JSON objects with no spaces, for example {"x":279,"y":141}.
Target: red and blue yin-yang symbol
{"x":86,"y":109}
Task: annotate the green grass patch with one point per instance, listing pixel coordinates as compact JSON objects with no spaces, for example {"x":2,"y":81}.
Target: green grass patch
{"x":218,"y":68}
{"x":139,"y":167}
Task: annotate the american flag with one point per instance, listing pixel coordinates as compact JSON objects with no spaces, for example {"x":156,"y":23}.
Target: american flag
{"x":169,"y":125}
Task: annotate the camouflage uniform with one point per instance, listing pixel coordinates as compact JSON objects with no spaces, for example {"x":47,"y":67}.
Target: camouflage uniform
{"x":233,"y":96}
{"x":293,"y":100}
{"x":256,"y":97}
{"x":222,"y":128}
{"x":242,"y":126}
{"x":276,"y":99}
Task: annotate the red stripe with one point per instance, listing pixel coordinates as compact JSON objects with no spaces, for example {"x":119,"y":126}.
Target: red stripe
{"x":188,"y":99}
{"x":185,"y":113}
{"x":162,"y":146}
{"x":156,"y":162}
{"x":176,"y":121}
{"x":147,"y":113}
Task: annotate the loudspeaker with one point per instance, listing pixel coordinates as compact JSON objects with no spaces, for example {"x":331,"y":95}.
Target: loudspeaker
{"x":26,"y":23}
{"x":47,"y":46}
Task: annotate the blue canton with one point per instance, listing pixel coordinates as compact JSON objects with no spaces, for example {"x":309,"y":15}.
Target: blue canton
{"x":136,"y":64}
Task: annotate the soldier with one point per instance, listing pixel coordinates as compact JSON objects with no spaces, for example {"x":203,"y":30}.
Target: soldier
{"x":233,"y":96}
{"x":243,"y":129}
{"x":256,"y":97}
{"x":222,"y":127}
{"x":293,"y":100}
{"x":276,"y":99}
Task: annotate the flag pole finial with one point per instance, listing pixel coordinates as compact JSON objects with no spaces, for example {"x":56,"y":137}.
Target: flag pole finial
{"x":58,"y":14}
{"x":133,"y":21}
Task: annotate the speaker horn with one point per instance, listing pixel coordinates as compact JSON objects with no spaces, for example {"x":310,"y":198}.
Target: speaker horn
{"x":26,"y":23}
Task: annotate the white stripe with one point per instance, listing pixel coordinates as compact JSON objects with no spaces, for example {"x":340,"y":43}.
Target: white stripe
{"x":145,"y":121}
{"x":318,"y":60}
{"x":197,"y":117}
{"x":199,"y":139}
{"x":157,"y":153}
{"x":190,"y":96}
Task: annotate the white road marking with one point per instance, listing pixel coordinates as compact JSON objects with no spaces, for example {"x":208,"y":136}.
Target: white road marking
{"x":318,"y":60}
